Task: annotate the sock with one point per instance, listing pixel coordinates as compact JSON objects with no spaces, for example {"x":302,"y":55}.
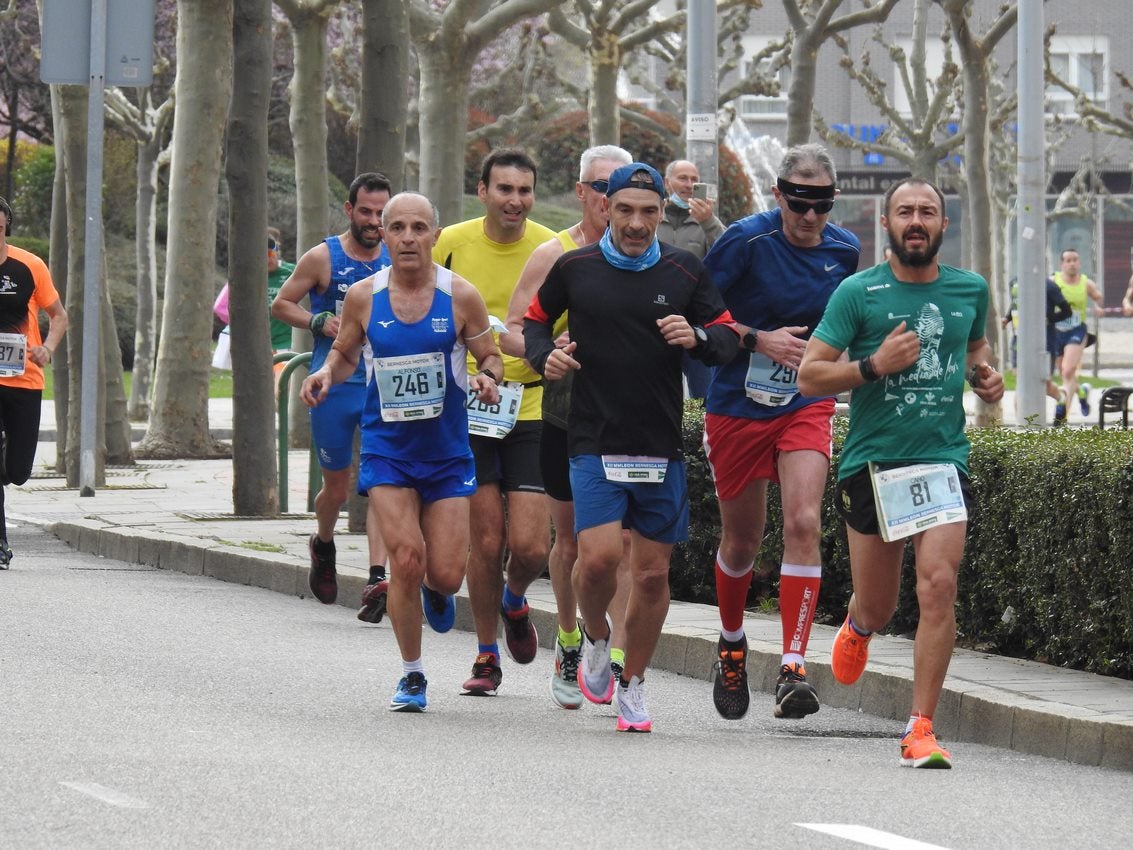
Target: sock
{"x":570,"y":640}
{"x":511,"y":601}
{"x":377,"y":573}
{"x":731,"y":596}
{"x":408,"y":667}
{"x":913,"y":718}
{"x":618,"y":656}
{"x":493,"y":648}
{"x":850,"y":620}
{"x":798,"y":597}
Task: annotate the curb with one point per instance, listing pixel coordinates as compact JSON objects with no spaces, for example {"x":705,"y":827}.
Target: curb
{"x":969,"y":711}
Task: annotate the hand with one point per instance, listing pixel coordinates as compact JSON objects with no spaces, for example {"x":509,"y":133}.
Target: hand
{"x":40,"y":355}
{"x":700,"y":210}
{"x":561,"y":362}
{"x":315,"y":387}
{"x":485,"y":388}
{"x":331,"y":327}
{"x":677,"y":331}
{"x":897,"y":352}
{"x":989,"y":383}
{"x":784,"y":345}
{"x":563,"y":338}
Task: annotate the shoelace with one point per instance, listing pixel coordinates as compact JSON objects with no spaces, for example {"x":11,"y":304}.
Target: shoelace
{"x":483,"y":667}
{"x":568,"y":667}
{"x":791,"y":673}
{"x":731,"y":666}
{"x":413,"y":683}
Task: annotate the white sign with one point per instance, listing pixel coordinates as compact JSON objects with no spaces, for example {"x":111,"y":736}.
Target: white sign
{"x":701,"y":128}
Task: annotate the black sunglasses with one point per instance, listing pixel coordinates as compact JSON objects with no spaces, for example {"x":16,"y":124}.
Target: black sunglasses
{"x":599,"y":186}
{"x":272,"y":245}
{"x":802,"y":207}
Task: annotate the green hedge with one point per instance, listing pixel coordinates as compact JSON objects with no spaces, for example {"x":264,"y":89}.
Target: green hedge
{"x":1048,"y":569}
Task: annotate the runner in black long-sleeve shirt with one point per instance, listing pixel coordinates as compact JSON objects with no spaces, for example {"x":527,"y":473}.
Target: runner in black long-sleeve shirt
{"x":635,"y":306}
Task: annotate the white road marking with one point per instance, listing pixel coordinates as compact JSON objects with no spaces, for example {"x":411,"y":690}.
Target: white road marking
{"x":107,"y":795}
{"x":870,"y":837}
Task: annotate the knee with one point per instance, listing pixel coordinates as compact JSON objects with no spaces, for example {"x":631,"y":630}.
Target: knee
{"x":334,"y":487}
{"x":407,"y":561}
{"x":802,"y":525}
{"x":530,"y":554}
{"x":872,"y":616}
{"x":738,"y":548}
{"x":652,"y":580}
{"x":565,"y":550}
{"x":936,"y":591}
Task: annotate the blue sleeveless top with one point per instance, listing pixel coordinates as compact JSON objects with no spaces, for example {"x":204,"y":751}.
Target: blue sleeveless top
{"x":344,"y":270}
{"x":442,"y":437}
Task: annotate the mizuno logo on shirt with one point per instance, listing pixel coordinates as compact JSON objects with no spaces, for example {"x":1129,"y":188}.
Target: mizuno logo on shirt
{"x":386,"y":324}
{"x":471,"y":482}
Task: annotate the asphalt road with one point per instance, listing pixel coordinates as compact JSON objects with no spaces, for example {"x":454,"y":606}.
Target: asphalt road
{"x":144,"y":708}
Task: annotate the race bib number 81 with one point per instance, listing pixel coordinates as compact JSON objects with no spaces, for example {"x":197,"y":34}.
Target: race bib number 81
{"x":912,"y":498}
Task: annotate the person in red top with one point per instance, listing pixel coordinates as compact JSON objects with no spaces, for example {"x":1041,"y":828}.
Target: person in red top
{"x":25,"y":289}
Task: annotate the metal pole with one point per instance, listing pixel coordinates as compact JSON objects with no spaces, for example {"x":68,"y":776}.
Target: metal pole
{"x":700,"y":119}
{"x":1031,"y":219}
{"x":92,"y":260}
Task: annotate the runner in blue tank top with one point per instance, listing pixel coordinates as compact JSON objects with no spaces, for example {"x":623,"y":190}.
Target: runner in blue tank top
{"x":415,"y":322}
{"x":324,"y":274}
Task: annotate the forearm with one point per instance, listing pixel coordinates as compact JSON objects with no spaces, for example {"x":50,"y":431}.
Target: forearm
{"x":339,"y":366}
{"x":538,"y":344}
{"x":821,"y":378}
{"x":57,"y":326}
{"x":512,"y":342}
{"x":493,"y":364}
{"x":720,"y":347}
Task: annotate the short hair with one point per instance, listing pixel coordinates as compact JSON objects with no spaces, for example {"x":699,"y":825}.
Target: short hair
{"x":508,"y":158}
{"x":672,"y":166}
{"x":610,"y":152}
{"x":273,"y":233}
{"x":810,"y":160}
{"x":913,"y":181}
{"x":1070,"y":248}
{"x":432,"y":206}
{"x":371,"y":181}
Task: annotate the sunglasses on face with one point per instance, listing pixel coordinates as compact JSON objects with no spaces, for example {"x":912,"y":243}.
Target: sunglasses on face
{"x":802,"y":207}
{"x":599,"y":186}
{"x":273,"y":245}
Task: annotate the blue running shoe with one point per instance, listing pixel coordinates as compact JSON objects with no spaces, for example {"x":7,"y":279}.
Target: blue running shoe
{"x":410,"y":693}
{"x":440,"y":610}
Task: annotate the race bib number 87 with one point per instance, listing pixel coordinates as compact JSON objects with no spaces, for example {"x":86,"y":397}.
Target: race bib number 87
{"x":13,"y":354}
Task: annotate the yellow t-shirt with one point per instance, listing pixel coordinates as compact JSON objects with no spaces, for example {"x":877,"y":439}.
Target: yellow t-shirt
{"x":494,"y":270}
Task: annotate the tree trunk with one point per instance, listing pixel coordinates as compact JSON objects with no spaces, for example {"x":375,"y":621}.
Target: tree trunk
{"x":255,"y":478}
{"x":800,"y":94}
{"x":73,"y":112}
{"x":179,"y":422}
{"x":384,"y":110}
{"x":145,"y":326}
{"x":60,"y":369}
{"x":118,"y":437}
{"x":443,"y":107}
{"x":602,"y":108}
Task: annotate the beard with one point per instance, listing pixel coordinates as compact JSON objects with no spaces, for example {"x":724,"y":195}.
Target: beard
{"x":362,"y":238}
{"x":917,"y":257}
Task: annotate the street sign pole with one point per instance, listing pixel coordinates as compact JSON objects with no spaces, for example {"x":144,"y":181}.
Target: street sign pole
{"x":92,"y":265}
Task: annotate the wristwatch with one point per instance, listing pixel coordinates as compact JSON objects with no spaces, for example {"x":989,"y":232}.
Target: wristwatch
{"x":750,"y":341}
{"x":701,"y":335}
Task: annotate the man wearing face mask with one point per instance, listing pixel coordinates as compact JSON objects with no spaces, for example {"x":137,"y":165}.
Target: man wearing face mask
{"x":690,"y":223}
{"x":776,"y":271}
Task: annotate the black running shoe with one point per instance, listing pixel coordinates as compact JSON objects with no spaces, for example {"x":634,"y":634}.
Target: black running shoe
{"x":730,"y":693}
{"x":5,"y":554}
{"x":374,"y":601}
{"x":794,"y":696}
{"x":322,"y":578}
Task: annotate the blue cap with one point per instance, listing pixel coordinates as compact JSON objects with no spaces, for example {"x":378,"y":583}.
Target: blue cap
{"x":636,"y":175}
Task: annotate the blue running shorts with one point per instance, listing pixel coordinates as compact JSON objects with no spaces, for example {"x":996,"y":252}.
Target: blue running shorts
{"x":657,"y":512}
{"x":432,"y":479}
{"x":334,"y":422}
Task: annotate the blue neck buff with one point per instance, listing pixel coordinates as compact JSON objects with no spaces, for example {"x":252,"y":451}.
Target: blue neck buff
{"x":619,"y":260}
{"x":677,"y":201}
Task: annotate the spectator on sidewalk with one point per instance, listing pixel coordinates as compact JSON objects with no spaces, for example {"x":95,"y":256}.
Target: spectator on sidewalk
{"x":417,"y":471}
{"x":27,"y":287}
{"x":689,"y":222}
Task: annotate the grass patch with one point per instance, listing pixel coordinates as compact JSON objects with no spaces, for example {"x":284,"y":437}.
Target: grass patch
{"x":220,"y":383}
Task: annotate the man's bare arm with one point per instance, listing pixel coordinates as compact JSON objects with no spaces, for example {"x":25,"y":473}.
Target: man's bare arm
{"x":530,"y":279}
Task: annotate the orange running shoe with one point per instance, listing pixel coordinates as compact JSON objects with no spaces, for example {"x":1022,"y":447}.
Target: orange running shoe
{"x":919,"y":748}
{"x":849,"y":655}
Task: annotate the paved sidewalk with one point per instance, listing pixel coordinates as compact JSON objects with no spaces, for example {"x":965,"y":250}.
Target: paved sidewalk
{"x":177,"y":515}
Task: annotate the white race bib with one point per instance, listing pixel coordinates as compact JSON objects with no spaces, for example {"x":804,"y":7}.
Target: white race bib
{"x":912,"y":498}
{"x":494,"y":420}
{"x":635,"y":469}
{"x":411,"y":386}
{"x":13,"y":354}
{"x":768,"y":382}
